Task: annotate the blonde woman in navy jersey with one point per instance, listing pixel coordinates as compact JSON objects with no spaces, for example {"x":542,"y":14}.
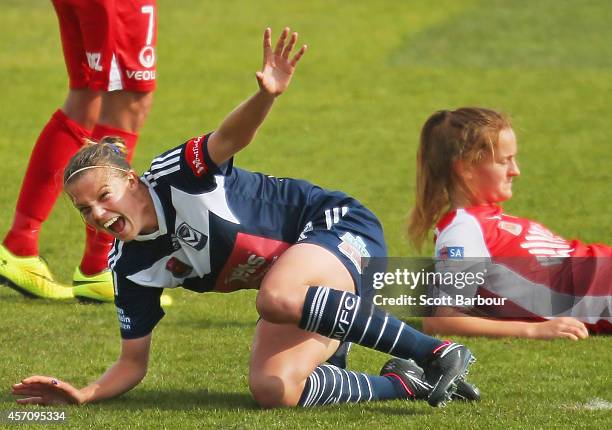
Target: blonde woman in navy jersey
{"x":194,"y":220}
{"x":554,"y":288}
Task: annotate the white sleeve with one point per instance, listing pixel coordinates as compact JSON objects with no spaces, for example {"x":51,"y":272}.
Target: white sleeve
{"x":461,"y":258}
{"x":464,"y":235}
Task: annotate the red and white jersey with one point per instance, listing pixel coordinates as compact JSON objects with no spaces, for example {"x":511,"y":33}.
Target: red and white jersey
{"x":543,"y":275}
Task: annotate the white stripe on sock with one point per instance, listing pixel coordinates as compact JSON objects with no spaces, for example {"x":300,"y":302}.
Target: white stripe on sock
{"x":399,"y":332}
{"x":321,"y":308}
{"x":364,"y":331}
{"x":312,"y":309}
{"x":382,"y":330}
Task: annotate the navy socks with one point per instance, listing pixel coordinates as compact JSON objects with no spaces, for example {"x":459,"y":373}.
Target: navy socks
{"x":345,"y":316}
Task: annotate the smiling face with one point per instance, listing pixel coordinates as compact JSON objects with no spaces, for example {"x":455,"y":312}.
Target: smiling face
{"x":112,"y":202}
{"x":490,"y":180}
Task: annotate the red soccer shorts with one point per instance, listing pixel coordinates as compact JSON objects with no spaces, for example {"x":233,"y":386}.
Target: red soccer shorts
{"x":109,"y":45}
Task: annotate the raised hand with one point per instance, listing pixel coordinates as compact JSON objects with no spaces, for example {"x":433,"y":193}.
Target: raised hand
{"x":45,"y":390}
{"x":278,"y":69}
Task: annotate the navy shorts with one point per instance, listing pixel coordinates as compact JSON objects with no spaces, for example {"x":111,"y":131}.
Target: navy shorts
{"x":354,"y":236}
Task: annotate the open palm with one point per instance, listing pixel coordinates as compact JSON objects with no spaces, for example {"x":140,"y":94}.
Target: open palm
{"x":45,"y":390}
{"x":277,"y":68}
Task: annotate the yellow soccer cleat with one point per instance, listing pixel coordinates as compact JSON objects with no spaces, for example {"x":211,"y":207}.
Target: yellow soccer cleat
{"x":99,"y":288}
{"x":30,"y":276}
{"x":93,"y":288}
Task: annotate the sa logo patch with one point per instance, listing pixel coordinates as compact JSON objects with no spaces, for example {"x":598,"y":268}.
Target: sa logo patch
{"x":191,"y":236}
{"x":452,"y":253}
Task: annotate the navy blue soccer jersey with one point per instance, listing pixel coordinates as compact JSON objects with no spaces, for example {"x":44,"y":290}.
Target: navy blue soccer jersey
{"x":220,"y":228}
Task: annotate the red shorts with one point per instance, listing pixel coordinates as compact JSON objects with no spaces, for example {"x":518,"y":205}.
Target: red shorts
{"x":109,"y":45}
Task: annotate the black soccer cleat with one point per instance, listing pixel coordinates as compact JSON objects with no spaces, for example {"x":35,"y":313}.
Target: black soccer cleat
{"x":447,"y":366}
{"x":410,"y":375}
{"x":408,"y":369}
{"x":466,"y":392}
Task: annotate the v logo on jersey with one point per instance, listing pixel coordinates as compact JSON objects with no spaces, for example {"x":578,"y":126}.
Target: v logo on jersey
{"x":191,"y":236}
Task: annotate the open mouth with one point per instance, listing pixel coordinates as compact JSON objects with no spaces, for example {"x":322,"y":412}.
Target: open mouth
{"x":115,"y":224}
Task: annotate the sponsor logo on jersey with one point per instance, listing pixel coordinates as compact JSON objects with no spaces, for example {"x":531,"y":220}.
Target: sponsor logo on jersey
{"x":93,"y":60}
{"x":147,"y":57}
{"x":510,"y":227}
{"x":354,"y":248}
{"x":195,"y":158}
{"x":191,"y":236}
{"x":451,"y":253}
{"x":178,"y":268}
{"x":247,"y":272}
{"x":124,"y":321}
{"x":250,"y":260}
{"x":141,"y":75}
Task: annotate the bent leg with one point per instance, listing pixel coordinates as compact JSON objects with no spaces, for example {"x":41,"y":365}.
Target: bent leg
{"x":286,"y":370}
{"x":282,"y":358}
{"x":286,"y":367}
{"x":308,"y":286}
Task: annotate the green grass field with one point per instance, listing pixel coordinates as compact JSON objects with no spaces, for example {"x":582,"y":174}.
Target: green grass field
{"x":373,"y":74}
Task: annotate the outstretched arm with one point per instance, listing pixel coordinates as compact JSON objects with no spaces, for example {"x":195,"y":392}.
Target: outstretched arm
{"x":125,"y":374}
{"x":239,"y":127}
{"x":449,"y":321}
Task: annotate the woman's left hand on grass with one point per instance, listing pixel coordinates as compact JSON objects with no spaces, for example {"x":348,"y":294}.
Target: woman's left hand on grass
{"x":46,"y":390}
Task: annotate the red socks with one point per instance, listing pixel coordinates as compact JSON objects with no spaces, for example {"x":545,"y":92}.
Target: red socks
{"x":42,"y":184}
{"x":98,"y":244}
{"x":59,"y":140}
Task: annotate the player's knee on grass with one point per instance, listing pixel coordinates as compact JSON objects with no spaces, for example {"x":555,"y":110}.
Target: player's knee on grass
{"x":274,"y":391}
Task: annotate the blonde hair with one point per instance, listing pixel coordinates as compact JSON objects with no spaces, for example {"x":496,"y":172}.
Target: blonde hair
{"x":109,"y":152}
{"x":468,"y":134}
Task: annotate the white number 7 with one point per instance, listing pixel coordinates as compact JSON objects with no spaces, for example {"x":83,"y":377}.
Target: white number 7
{"x":151,"y":12}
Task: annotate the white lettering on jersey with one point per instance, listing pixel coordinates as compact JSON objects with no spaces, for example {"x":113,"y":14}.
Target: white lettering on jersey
{"x":141,"y":75}
{"x":244,"y":271}
{"x":93,"y":60}
{"x":124,"y":321}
